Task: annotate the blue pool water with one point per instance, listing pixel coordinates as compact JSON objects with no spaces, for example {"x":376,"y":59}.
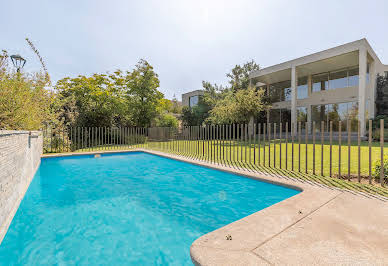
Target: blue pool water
{"x":126,"y":209}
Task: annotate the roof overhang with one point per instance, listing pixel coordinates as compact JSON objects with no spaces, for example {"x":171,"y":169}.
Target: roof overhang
{"x":336,"y":58}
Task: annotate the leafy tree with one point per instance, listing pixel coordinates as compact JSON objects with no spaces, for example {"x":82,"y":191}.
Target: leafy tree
{"x":90,"y":101}
{"x":239,"y":76}
{"x":24,"y":100}
{"x":196,"y":115}
{"x":128,"y":98}
{"x":167,"y":120}
{"x":142,"y":93}
{"x":238,"y":107}
{"x":176,"y":106}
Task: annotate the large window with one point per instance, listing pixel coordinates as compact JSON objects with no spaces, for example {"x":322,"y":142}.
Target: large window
{"x":353,"y":77}
{"x":280,"y":91}
{"x":320,"y":82}
{"x":280,"y":116}
{"x":338,"y":79}
{"x":302,"y":90}
{"x":193,"y":100}
{"x":335,"y":79}
{"x":335,"y":112}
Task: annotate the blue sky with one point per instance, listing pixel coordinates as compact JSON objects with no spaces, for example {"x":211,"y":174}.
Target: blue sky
{"x":185,"y":41}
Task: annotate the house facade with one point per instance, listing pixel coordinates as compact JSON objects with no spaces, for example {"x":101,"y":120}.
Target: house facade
{"x":191,"y":98}
{"x":336,"y":84}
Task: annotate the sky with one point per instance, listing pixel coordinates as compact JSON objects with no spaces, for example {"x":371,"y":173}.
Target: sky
{"x":186,"y":41}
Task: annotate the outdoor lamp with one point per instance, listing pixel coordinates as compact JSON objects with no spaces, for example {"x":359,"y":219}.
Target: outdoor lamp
{"x":18,"y":62}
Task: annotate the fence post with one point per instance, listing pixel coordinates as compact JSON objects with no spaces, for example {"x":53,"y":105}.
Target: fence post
{"x":382,"y":152}
{"x":370,"y":151}
{"x":306,"y":141}
{"x":274,"y":145}
{"x":331,"y":148}
{"x":313,"y":147}
{"x":280,"y":144}
{"x":264,"y":130}
{"x":286,"y":145}
{"x":349,"y":147}
{"x":322,"y":131}
{"x":269,"y":144}
{"x":292,"y":145}
{"x":339,"y":148}
{"x":299,"y":142}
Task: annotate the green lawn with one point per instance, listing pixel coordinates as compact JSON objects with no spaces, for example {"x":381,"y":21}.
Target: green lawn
{"x":281,"y":155}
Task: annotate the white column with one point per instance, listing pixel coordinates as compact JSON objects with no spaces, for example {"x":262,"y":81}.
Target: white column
{"x":372,"y":89}
{"x":294,"y":81}
{"x":362,"y":64}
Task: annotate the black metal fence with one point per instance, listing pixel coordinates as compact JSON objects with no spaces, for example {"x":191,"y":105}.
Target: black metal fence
{"x":286,"y":146}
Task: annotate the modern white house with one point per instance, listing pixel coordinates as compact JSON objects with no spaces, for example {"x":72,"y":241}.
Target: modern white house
{"x":334,"y":84}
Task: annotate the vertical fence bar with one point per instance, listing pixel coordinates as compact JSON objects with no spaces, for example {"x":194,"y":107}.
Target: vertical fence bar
{"x":299,"y":142}
{"x":349,"y":147}
{"x":339,"y":147}
{"x":313,"y":147}
{"x":292,"y":145}
{"x":306,"y":142}
{"x":322,"y":131}
{"x":382,"y":152}
{"x":359,"y":152}
{"x":286,"y":145}
{"x":370,"y":151}
{"x":254,"y":143}
{"x":264,"y":131}
{"x":274,"y":145}
{"x":246,"y":141}
{"x":269,"y":144}
{"x":331,"y":148}
{"x":230,"y":142}
{"x":249,"y":145}
{"x":258,"y":144}
{"x":280,"y":144}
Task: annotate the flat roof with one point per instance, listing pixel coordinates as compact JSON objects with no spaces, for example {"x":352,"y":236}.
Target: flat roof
{"x":348,"y":48}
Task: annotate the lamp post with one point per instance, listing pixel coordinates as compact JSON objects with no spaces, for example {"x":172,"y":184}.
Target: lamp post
{"x":18,"y":62}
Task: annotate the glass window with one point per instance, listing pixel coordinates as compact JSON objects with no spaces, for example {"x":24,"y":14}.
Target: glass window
{"x":302,"y":90}
{"x":280,"y":116}
{"x":320,"y":82}
{"x":353,"y":77}
{"x":193,"y":100}
{"x":336,"y":112}
{"x":338,"y":79}
{"x":280,"y":91}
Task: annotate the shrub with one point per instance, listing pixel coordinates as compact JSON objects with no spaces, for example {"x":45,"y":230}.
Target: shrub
{"x":167,"y":120}
{"x":377,"y":169}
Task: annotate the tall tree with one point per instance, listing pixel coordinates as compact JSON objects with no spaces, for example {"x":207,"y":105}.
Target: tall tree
{"x":142,"y":93}
{"x":239,"y":76}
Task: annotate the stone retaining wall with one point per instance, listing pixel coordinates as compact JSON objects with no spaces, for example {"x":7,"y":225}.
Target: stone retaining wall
{"x":20,"y":153}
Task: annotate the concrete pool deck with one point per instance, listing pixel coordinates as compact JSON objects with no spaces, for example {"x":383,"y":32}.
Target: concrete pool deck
{"x":318,"y":226}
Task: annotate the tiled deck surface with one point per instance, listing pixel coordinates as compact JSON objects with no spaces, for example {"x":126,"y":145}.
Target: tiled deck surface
{"x":319,"y":226}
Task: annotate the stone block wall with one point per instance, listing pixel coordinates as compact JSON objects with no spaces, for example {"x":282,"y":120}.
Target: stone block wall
{"x":20,"y":153}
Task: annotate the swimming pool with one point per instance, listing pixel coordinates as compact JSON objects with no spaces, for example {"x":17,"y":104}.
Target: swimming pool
{"x":128,"y":208}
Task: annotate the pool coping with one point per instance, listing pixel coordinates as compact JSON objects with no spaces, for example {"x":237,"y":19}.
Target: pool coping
{"x":251,"y":240}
